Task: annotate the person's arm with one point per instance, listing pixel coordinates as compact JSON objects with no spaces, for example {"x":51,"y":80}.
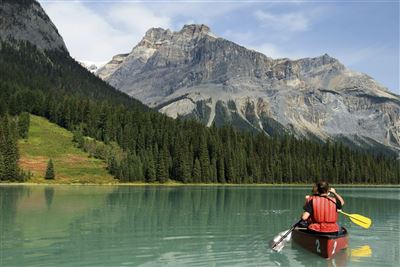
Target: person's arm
{"x":307,"y":211}
{"x":305,"y":216}
{"x":337,"y":196}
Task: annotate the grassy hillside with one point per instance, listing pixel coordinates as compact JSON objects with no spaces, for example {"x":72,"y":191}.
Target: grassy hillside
{"x":47,"y":140}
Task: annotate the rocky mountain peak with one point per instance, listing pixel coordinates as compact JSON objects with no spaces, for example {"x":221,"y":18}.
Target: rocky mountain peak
{"x":25,"y":20}
{"x":319,"y":61}
{"x":154,"y":36}
{"x":195,"y":30}
{"x":193,"y":74}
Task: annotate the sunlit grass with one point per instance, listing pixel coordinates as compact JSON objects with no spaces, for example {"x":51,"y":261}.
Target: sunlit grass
{"x":47,"y":140}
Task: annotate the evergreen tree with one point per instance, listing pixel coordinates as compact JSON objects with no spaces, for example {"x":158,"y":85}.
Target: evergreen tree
{"x":221,"y":170}
{"x":113,"y":165}
{"x":9,"y":148}
{"x":23,"y":125}
{"x":162,"y":165}
{"x":153,"y":146}
{"x":2,"y":168}
{"x":181,"y":166}
{"x":50,"y":174}
{"x":78,"y":138}
{"x":204,"y":160}
{"x":151,"y":170}
{"x":196,"y":174}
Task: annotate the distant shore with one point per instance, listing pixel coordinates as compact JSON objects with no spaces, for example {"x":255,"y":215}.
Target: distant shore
{"x":172,"y":184}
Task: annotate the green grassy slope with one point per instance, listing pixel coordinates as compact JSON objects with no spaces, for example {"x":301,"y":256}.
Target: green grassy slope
{"x":47,"y":140}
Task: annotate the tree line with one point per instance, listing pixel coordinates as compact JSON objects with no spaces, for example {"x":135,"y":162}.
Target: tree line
{"x":11,"y":129}
{"x":151,"y":147}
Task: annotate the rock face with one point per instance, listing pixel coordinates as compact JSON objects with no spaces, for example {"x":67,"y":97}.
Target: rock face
{"x":25,"y":20}
{"x":194,"y":74}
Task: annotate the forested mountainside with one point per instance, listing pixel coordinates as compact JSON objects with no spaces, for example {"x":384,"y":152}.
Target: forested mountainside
{"x":158,"y":148}
{"x":195,"y":74}
{"x":46,"y":81}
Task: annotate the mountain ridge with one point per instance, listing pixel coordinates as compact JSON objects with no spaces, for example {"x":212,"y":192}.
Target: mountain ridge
{"x":22,"y":20}
{"x":155,"y":148}
{"x":310,"y":96}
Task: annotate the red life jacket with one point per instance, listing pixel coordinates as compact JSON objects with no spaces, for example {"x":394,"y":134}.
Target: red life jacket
{"x":324,"y":215}
{"x":308,"y":199}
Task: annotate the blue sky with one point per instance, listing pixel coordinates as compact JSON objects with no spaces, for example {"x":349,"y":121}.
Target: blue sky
{"x":363,"y":35}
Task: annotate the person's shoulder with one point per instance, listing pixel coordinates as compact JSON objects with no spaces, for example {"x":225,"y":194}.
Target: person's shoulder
{"x":332,"y":197}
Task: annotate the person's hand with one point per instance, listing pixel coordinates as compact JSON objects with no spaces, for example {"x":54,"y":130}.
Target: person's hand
{"x":332,"y":190}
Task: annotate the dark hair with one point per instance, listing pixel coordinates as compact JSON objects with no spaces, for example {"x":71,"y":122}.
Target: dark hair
{"x":314,"y":190}
{"x":323,"y":187}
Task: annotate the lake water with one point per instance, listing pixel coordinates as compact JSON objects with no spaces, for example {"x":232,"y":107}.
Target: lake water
{"x":181,"y":226}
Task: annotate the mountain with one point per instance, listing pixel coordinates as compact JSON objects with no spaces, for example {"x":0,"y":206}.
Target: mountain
{"x":25,"y":20}
{"x":194,"y":74}
{"x":92,"y":66}
{"x":138,"y":143}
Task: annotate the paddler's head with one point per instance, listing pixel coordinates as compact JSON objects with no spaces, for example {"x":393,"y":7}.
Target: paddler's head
{"x":314,"y":190}
{"x":323,"y":187}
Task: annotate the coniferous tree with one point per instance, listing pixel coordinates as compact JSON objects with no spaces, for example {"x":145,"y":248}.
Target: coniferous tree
{"x":196,"y":174}
{"x":153,"y":146}
{"x":204,"y":160}
{"x":23,"y":125}
{"x":162,"y":165}
{"x":2,"y":168}
{"x":9,"y":148}
{"x":151,"y":170}
{"x":50,"y":173}
{"x":221,"y":170}
{"x":181,"y":166}
{"x":113,"y":165}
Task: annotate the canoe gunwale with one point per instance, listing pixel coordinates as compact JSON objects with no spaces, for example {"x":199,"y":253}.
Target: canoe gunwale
{"x":322,"y":235}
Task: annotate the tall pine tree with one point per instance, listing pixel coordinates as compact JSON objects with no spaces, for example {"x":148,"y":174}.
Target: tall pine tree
{"x":50,"y":173}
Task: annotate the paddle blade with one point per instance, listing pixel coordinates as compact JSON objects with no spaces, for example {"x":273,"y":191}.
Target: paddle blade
{"x":358,"y":219}
{"x":277,"y":243}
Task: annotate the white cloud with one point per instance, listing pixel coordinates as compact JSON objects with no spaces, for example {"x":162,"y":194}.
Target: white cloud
{"x":268,"y":48}
{"x":293,"y":22}
{"x":96,"y":32}
{"x":205,"y":11}
{"x":136,"y":18}
{"x":274,"y":51}
{"x":97,"y":37}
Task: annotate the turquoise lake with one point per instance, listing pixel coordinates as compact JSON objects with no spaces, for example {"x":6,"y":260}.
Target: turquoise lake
{"x":68,"y":225}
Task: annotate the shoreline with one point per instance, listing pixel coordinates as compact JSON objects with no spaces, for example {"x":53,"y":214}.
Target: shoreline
{"x":176,"y":184}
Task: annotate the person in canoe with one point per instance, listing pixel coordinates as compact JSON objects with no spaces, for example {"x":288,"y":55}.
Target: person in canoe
{"x":321,"y":210}
{"x":314,"y":192}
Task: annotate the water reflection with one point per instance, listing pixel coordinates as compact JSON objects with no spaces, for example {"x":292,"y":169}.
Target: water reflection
{"x":49,"y":195}
{"x":179,"y":226}
{"x":360,"y":252}
{"x":10,"y":235}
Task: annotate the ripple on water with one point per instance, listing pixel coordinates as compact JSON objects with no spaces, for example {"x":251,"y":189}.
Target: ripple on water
{"x":182,"y":227}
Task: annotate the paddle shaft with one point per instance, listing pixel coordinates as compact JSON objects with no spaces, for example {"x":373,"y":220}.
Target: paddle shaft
{"x":287,"y":233}
{"x":351,"y":216}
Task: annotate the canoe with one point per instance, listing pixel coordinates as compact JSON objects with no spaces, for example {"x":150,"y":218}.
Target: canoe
{"x":325,"y":245}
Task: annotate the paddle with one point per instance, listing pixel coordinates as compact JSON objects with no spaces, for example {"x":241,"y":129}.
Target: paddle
{"x":275,"y":246}
{"x":364,"y":251}
{"x":358,"y":219}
